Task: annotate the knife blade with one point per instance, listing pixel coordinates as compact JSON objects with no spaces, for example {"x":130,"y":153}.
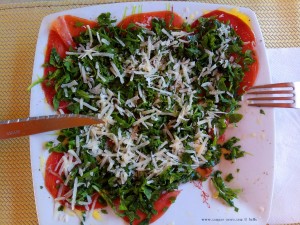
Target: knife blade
{"x":40,"y":124}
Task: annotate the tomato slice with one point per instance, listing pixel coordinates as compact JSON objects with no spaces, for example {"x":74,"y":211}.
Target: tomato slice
{"x":69,"y":26}
{"x":250,"y":77}
{"x":61,"y":34}
{"x":55,"y":41}
{"x":53,"y":181}
{"x":247,"y":36}
{"x":142,"y":217}
{"x":76,"y":25}
{"x":161,"y":206}
{"x":60,"y":27}
{"x":48,"y":88}
{"x":172,"y":19}
{"x":163,"y":203}
{"x":62,"y":31}
{"x":241,"y":28}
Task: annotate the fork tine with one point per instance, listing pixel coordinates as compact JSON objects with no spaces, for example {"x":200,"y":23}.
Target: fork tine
{"x":283,"y":96}
{"x":270,"y":92}
{"x":278,"y":105}
{"x":271,"y":98}
{"x":290,"y":84}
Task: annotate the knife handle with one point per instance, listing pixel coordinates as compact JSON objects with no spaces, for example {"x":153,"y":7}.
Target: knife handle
{"x":40,"y":124}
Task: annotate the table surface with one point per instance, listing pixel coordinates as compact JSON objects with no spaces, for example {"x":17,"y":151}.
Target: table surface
{"x":20,"y":21}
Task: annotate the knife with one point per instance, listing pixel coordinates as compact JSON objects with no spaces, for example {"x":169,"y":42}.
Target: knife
{"x":40,"y":124}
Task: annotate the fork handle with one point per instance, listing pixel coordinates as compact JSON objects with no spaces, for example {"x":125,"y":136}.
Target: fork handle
{"x":35,"y":125}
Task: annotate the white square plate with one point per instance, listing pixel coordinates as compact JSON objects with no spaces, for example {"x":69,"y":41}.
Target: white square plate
{"x":256,"y":132}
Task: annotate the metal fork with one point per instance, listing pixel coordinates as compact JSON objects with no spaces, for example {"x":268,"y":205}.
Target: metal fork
{"x":283,"y":95}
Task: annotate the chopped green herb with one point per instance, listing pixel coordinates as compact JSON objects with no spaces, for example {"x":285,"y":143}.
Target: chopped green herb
{"x":262,"y":112}
{"x":104,"y":211}
{"x":172,"y":199}
{"x":79,"y":24}
{"x":235,"y":118}
{"x":55,"y":103}
{"x":227,"y":194}
{"x":233,"y":151}
{"x":38,"y":81}
{"x":55,"y":59}
{"x":229,"y":177}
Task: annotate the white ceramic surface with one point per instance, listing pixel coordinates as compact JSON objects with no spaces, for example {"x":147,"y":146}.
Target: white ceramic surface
{"x":255,"y":130}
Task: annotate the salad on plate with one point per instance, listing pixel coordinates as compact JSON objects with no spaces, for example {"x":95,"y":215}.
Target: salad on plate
{"x":165,"y":90}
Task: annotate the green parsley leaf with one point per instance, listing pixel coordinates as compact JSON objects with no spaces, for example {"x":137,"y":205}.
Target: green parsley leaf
{"x":262,"y":112}
{"x":55,"y":59}
{"x":38,"y":81}
{"x":235,"y":117}
{"x":229,"y":177}
{"x":79,"y":24}
{"x":224,"y":192}
{"x":234,"y":150}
